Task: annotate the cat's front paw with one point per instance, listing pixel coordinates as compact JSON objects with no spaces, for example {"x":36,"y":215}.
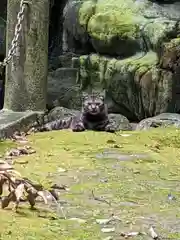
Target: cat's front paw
{"x":110,"y":128}
{"x":78,"y":127}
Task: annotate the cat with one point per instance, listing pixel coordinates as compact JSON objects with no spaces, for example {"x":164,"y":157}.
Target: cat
{"x":93,"y":116}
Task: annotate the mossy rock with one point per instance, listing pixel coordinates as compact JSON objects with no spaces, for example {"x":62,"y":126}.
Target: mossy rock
{"x":135,"y":84}
{"x":137,"y":53}
{"x":112,"y":26}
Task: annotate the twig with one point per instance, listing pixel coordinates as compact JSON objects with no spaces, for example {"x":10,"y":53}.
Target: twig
{"x":100,"y":199}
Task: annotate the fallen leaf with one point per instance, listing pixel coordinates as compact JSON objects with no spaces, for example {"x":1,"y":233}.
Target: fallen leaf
{"x":5,"y":166}
{"x":153,"y":233}
{"x":13,"y":152}
{"x":107,"y":230}
{"x":108,"y":238}
{"x":21,"y":162}
{"x":79,"y":220}
{"x":42,"y":194}
{"x":20,"y":151}
{"x":19,"y":137}
{"x":54,"y":193}
{"x":110,"y":141}
{"x":7,"y":199}
{"x":132,"y":234}
{"x":2,"y":182}
{"x":62,"y":170}
{"x":19,"y":191}
{"x":103,"y":221}
{"x":104,"y":180}
{"x":125,"y":135}
{"x":59,"y":187}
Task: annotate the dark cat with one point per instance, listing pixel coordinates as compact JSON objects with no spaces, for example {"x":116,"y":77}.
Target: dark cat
{"x":93,"y":116}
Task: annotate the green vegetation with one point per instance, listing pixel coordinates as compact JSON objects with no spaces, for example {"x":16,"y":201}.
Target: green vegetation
{"x":137,"y":189}
{"x":107,"y":19}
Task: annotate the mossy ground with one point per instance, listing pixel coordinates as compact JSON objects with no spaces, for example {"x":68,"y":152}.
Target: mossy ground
{"x":137,"y":189}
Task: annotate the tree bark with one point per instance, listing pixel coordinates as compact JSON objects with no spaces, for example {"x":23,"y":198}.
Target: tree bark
{"x":26,"y":75}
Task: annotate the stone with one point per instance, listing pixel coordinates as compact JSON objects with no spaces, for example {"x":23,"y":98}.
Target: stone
{"x":122,"y":123}
{"x":11,"y":122}
{"x":61,"y":112}
{"x":137,"y":61}
{"x":161,"y":120}
{"x":63,"y":89}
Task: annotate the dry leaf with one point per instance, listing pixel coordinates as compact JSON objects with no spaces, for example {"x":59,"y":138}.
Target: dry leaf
{"x":79,"y":220}
{"x":20,"y":151}
{"x":107,"y":230}
{"x":20,"y":137}
{"x":153,"y":233}
{"x":19,"y":194}
{"x":13,"y":152}
{"x":19,"y":191}
{"x":2,"y":161}
{"x":132,"y":234}
{"x":5,"y":166}
{"x":7,"y":199}
{"x":2,"y":182}
{"x":32,"y":195}
{"x":108,"y":238}
{"x":42,"y":194}
{"x":103,"y":221}
{"x":62,"y":170}
{"x":31,"y":199}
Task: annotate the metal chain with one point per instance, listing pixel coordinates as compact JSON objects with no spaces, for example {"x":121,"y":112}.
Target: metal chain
{"x":18,"y":28}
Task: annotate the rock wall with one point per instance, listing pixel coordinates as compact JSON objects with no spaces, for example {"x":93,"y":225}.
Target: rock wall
{"x":130,"y":48}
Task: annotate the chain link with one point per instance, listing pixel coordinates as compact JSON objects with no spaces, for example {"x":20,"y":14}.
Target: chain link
{"x":18,"y":28}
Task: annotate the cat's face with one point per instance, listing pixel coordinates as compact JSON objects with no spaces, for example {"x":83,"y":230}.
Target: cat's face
{"x":93,"y":104}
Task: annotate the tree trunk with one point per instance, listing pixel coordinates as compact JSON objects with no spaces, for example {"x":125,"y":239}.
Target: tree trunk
{"x":26,"y":75}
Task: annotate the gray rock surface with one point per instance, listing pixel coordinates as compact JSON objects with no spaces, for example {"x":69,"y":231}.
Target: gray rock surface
{"x":11,"y":122}
{"x":161,"y":120}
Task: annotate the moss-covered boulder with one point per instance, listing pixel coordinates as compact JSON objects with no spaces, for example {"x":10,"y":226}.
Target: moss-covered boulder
{"x":136,"y":59}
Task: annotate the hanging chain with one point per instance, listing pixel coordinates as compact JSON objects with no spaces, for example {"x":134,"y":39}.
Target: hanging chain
{"x":18,"y":28}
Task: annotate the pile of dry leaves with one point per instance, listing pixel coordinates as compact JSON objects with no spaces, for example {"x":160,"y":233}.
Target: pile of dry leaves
{"x":11,"y":182}
{"x":19,"y":188}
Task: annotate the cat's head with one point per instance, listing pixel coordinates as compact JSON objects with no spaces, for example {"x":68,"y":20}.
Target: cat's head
{"x":93,"y":103}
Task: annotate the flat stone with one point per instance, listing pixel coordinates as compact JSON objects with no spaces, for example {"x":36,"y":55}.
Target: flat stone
{"x":11,"y":122}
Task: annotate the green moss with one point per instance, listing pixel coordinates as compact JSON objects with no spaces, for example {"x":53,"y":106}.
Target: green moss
{"x":104,"y":26}
{"x":108,"y":19}
{"x":85,"y":12}
{"x":144,"y":182}
{"x":98,"y":70}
